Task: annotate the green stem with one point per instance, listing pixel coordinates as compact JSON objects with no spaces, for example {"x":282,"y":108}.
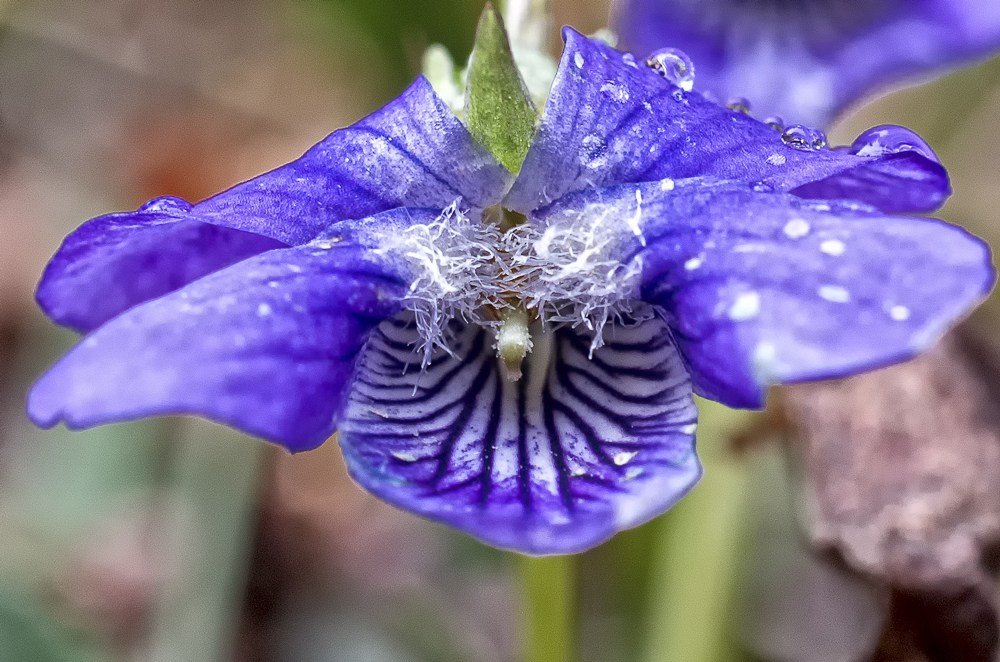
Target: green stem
{"x":550,"y":607}
{"x":212,"y":499}
{"x":698,"y":553}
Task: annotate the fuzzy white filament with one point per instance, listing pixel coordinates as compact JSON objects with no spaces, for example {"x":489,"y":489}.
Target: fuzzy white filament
{"x":566,"y":271}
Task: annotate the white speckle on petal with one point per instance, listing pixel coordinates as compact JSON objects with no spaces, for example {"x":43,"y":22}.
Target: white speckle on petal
{"x":689,"y":429}
{"x":403,"y":457}
{"x":578,"y":60}
{"x":834,"y":293}
{"x":693,"y":263}
{"x":746,"y":306}
{"x":578,"y":471}
{"x":295,"y":269}
{"x":666,"y":185}
{"x":796,"y":228}
{"x":263,"y":310}
{"x":899,"y":313}
{"x":625,"y":457}
{"x":763,"y":361}
{"x":633,"y":221}
{"x":776,"y":159}
{"x":633,"y":472}
{"x":833,"y":247}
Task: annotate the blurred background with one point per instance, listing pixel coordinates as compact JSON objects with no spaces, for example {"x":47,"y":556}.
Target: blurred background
{"x":852,"y":521}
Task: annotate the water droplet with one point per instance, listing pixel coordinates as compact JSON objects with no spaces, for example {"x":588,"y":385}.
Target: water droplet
{"x":796,"y":228}
{"x":578,"y":60}
{"x":891,"y":139}
{"x":629,"y":60}
{"x":834,"y":293}
{"x":802,"y":137}
{"x":833,"y":247}
{"x":693,"y":263}
{"x":403,"y":456}
{"x":775,"y":123}
{"x":746,"y":306}
{"x":689,"y":428}
{"x":740,"y":105}
{"x":899,"y":313}
{"x":166,"y":204}
{"x":674,"y":65}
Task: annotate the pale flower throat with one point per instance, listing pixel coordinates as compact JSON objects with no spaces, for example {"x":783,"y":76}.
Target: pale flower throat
{"x":516,"y":278}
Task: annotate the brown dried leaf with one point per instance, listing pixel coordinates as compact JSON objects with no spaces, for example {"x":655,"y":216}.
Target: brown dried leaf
{"x":902,"y":469}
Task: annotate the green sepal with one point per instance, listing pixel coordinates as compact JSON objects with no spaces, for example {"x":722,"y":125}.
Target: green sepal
{"x":499,"y":110}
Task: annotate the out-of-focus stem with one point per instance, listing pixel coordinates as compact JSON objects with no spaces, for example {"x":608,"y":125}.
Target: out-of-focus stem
{"x":528,"y":22}
{"x":549,"y":608}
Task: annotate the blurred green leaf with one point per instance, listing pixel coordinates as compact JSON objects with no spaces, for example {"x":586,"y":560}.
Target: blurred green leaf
{"x":501,"y":115}
{"x":28,"y":633}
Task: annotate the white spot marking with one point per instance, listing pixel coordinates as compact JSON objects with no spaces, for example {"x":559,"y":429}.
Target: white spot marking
{"x":796,"y":228}
{"x":833,"y":247}
{"x":578,"y":59}
{"x":746,"y":306}
{"x":263,"y":310}
{"x":666,"y":185}
{"x":689,"y":429}
{"x":404,"y":457}
{"x":834,"y":293}
{"x":776,"y":159}
{"x":899,"y":313}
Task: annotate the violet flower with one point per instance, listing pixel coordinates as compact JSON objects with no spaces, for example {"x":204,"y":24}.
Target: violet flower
{"x":530,"y":384}
{"x":806,"y":60}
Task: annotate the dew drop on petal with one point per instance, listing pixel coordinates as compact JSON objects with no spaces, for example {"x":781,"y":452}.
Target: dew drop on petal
{"x":775,"y":123}
{"x":578,"y":60}
{"x":796,"y":228}
{"x":674,"y":65}
{"x":740,"y":105}
{"x":746,"y":306}
{"x":834,"y":293}
{"x":899,"y":313}
{"x":403,"y":457}
{"x":833,"y":247}
{"x":166,"y":204}
{"x":689,"y":429}
{"x":693,"y":263}
{"x":891,"y":139}
{"x":804,"y":138}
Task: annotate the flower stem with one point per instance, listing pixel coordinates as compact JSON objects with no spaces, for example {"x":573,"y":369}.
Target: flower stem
{"x":550,"y":608}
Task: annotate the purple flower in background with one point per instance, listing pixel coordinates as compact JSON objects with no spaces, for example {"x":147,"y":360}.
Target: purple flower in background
{"x":806,"y":60}
{"x":529,"y":383}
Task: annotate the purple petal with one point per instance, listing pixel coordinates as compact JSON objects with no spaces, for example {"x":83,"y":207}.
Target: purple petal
{"x":760,"y":288}
{"x":610,"y":120}
{"x":557,"y":462}
{"x":268,"y":345}
{"x":114,"y":262}
{"x":806,"y":61}
{"x":412,"y":153}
